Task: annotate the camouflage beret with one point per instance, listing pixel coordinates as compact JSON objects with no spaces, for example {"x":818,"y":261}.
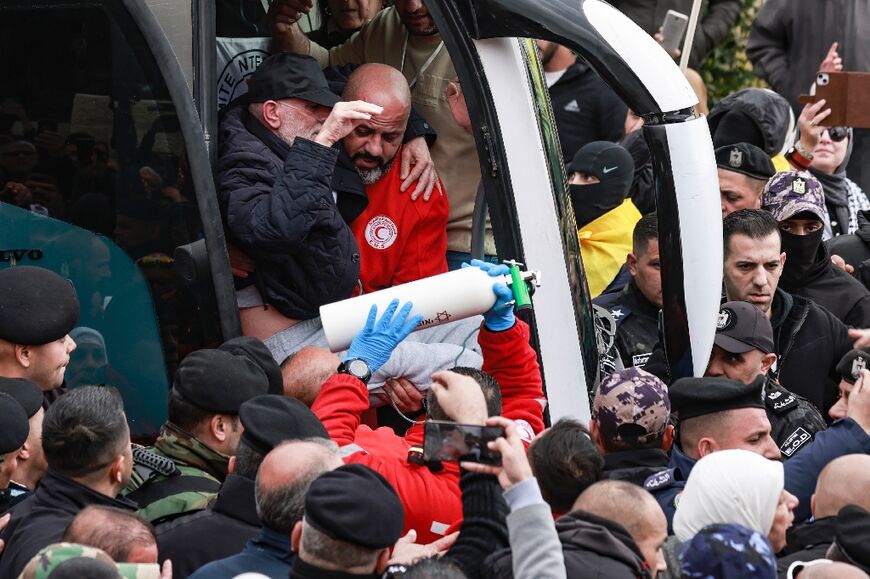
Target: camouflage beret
{"x":49,"y":558}
{"x":850,"y":365}
{"x":631,"y":406}
{"x":746,"y":159}
{"x":728,"y":551}
{"x":793,"y":192}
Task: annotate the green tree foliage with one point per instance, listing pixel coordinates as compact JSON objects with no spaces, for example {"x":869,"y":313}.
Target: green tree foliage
{"x":727,"y":69}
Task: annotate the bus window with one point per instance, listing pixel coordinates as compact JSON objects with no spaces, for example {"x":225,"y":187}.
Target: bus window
{"x":94,"y":185}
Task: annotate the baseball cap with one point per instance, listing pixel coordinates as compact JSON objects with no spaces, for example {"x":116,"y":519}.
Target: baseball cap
{"x":285,"y":75}
{"x":741,"y":327}
{"x":631,"y":406}
{"x":793,"y":192}
{"x":605,"y":160}
{"x":746,"y":159}
{"x":43,"y":563}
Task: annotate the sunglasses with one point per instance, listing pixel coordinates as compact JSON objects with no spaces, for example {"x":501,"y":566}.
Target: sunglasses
{"x":837,"y":134}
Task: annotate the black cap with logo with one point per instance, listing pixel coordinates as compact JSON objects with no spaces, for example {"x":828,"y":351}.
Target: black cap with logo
{"x":850,"y":365}
{"x":742,"y":327}
{"x":746,"y":159}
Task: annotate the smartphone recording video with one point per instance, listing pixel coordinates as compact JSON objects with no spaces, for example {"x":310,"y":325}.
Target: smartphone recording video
{"x":451,"y":442}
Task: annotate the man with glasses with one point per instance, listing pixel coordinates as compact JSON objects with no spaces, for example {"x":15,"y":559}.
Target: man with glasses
{"x":276,"y":189}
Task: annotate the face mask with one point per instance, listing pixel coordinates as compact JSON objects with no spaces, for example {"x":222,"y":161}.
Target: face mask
{"x":800,"y":262}
{"x":591,"y":202}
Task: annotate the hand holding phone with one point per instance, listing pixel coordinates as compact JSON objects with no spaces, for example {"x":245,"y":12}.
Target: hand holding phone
{"x":673,"y":27}
{"x":452,"y":442}
{"x":514,"y":467}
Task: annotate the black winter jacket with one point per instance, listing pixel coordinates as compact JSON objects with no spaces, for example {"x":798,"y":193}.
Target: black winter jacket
{"x":586,"y":109}
{"x":807,"y":542}
{"x":215,"y":533}
{"x":41,"y":519}
{"x":770,"y":112}
{"x":277,"y":204}
{"x":593,"y":547}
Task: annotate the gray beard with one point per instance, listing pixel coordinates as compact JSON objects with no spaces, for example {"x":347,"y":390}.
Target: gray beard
{"x":372,"y":176}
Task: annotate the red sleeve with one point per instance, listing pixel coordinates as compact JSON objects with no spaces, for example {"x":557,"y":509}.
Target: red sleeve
{"x":508,"y":357}
{"x":425,"y":254}
{"x":341,"y":402}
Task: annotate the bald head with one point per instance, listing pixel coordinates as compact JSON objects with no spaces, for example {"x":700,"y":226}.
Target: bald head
{"x":627,"y":504}
{"x":845,"y":481}
{"x":284,"y":477}
{"x":378,"y":84}
{"x":305,"y":372}
{"x":833,"y":571}
{"x":122,"y":534}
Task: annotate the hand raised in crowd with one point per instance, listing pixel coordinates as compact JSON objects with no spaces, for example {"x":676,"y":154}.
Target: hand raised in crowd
{"x":859,"y":401}
{"x":861,"y":337}
{"x":460,"y":397}
{"x":405,"y":395}
{"x":501,"y":315}
{"x":377,"y":340}
{"x":810,"y":124}
{"x":417,"y":165}
{"x":344,"y":118}
{"x":841,"y":263}
{"x":832,"y":61}
{"x":166,"y":570}
{"x":407,"y":551}
{"x":515,"y":466}
{"x":659,"y":37}
{"x":284,"y":13}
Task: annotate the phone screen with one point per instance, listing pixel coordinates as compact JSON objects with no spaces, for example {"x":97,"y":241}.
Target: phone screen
{"x":451,"y":442}
{"x":673,"y":27}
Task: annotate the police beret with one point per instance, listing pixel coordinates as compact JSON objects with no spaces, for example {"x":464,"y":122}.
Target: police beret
{"x":219,"y":382}
{"x":257,"y":352}
{"x":692,"y":397}
{"x":271,"y":419}
{"x":37,"y":306}
{"x":850,"y":365}
{"x":14,"y":427}
{"x":852,"y":535}
{"x":25,"y":392}
{"x":746,"y":159}
{"x":355,"y":504}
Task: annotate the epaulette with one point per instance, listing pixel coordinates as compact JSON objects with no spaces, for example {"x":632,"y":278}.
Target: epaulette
{"x":661,"y":480}
{"x":780,"y":401}
{"x":148,"y":464}
{"x":795,"y":441}
{"x":619,"y":312}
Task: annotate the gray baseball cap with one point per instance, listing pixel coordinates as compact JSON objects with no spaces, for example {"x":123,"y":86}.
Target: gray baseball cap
{"x":742,"y":327}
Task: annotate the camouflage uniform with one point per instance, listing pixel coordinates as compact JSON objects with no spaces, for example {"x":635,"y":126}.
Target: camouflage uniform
{"x":42,"y":565}
{"x":187,"y":481}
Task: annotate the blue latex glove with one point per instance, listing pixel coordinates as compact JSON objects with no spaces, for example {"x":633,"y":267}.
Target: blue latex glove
{"x":376,"y":341}
{"x":501,"y":315}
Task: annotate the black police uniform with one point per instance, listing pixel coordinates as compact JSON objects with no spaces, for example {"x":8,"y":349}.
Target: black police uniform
{"x":636,"y":323}
{"x":634,"y":466}
{"x":794,"y":421}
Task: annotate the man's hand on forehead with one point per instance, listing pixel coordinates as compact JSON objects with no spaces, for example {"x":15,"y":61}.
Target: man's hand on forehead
{"x":344,"y":118}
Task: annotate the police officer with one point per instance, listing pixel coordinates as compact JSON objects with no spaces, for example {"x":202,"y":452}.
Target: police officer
{"x":797,"y":202}
{"x":743,"y":351}
{"x":720,"y":414}
{"x":222,"y":530}
{"x":631,"y":425}
{"x":635,"y":309}
{"x":26,"y":467}
{"x":190,"y":459}
{"x":743,"y":171}
{"x":13,"y":432}
{"x":38,"y":308}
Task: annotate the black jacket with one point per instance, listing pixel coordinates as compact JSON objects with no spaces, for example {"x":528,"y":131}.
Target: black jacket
{"x":586,"y":109}
{"x":41,"y":519}
{"x":484,"y":523}
{"x":768,"y":110}
{"x":807,"y":542}
{"x":636,"y":323}
{"x":794,"y":421}
{"x":215,"y":533}
{"x":277,"y":204}
{"x":835,"y":290}
{"x":717,"y":18}
{"x":634,"y":466}
{"x":809,"y":343}
{"x":593,"y":547}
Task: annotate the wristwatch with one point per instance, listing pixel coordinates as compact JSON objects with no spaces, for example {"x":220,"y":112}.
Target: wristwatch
{"x":357,"y":368}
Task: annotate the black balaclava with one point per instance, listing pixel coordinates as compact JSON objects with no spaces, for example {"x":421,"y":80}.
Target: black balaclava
{"x":613,"y":166}
{"x":806,"y":258}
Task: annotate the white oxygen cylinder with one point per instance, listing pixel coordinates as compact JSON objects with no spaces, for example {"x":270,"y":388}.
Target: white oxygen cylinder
{"x":443,"y":298}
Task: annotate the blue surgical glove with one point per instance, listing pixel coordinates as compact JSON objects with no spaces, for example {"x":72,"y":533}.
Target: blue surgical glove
{"x":501,"y":315}
{"x":376,"y":341}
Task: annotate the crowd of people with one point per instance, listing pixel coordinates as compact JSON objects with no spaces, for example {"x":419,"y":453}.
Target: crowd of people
{"x":349,"y":166}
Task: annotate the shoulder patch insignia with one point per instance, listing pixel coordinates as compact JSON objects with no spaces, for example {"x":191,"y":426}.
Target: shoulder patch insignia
{"x":619,"y":313}
{"x":639,"y":360}
{"x":780,"y":401}
{"x":660,"y":480}
{"x":795,"y":441}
